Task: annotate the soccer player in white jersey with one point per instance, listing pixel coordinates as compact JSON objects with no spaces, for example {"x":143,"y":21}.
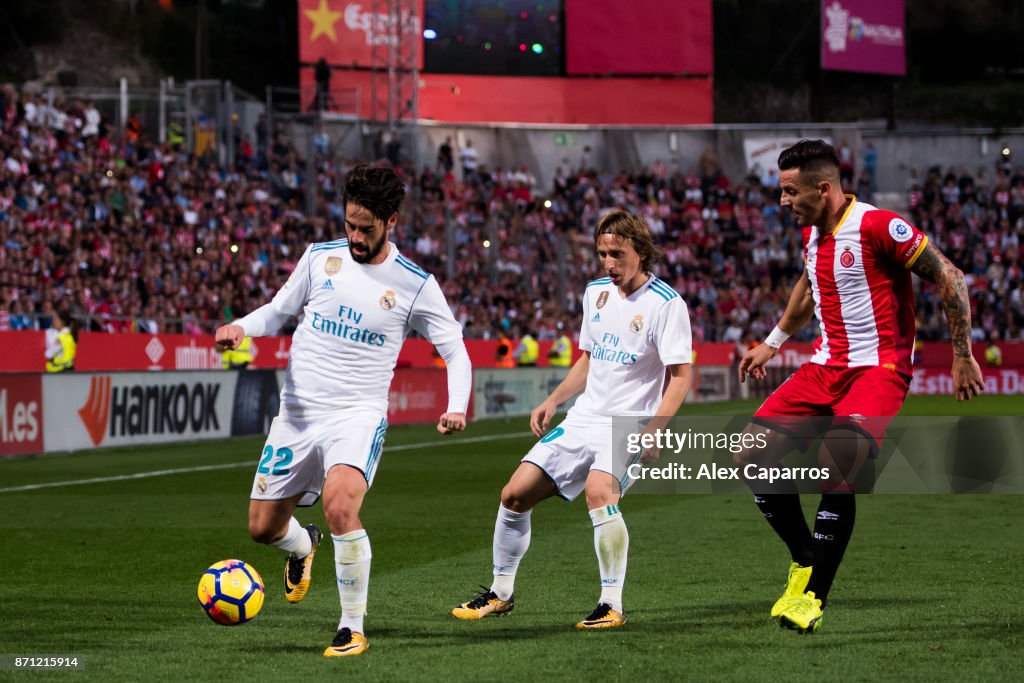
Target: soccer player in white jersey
{"x":356,"y":299}
{"x":634,"y":328}
{"x":856,"y":281}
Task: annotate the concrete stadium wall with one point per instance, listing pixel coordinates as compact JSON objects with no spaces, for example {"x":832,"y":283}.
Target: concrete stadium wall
{"x":543,"y":149}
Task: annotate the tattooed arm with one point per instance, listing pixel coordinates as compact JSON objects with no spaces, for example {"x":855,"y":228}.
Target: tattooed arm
{"x":934,"y":267}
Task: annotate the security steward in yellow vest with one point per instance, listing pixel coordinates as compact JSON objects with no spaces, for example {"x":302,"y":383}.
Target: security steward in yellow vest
{"x":527,"y":352}
{"x":64,"y":359}
{"x":175,"y":133}
{"x":560,"y":355}
{"x":238,"y":358}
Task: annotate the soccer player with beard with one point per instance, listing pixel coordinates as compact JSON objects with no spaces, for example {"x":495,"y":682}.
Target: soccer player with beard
{"x":357,"y":298}
{"x":856,"y":281}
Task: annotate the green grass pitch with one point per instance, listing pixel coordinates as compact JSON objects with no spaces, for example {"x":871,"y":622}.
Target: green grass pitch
{"x":931,"y":588}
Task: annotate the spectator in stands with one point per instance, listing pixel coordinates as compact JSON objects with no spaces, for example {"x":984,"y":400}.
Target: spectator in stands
{"x":445,"y":156}
{"x":846,"y":164}
{"x":871,"y":165}
{"x":470,"y":160}
{"x":322,"y":76}
{"x":152,"y":230}
{"x":17,"y":320}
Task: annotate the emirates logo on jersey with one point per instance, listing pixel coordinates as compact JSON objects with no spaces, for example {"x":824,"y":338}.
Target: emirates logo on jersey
{"x":332,"y":266}
{"x":636,"y":324}
{"x":388,"y":301}
{"x":602,"y":299}
{"x":846,"y":258}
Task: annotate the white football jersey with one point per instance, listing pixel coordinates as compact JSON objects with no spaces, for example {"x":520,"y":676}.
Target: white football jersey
{"x":353,"y":320}
{"x":630,"y":342}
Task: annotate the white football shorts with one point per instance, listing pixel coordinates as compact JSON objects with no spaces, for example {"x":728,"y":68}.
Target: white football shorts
{"x":298,"y":454}
{"x":571,"y":450}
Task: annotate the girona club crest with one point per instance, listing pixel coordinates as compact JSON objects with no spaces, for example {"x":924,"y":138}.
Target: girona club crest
{"x":846,"y":258}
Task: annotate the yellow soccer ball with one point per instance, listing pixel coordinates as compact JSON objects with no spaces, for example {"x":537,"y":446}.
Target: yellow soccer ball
{"x":231,"y":592}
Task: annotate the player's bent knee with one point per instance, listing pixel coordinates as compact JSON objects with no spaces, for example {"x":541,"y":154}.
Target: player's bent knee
{"x":265,"y":533}
{"x":342,"y":514}
{"x":747,"y":456}
{"x":513,"y":499}
{"x":268,"y":520}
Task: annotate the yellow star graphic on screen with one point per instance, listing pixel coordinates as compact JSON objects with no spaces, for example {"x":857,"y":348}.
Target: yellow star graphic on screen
{"x":323,"y":21}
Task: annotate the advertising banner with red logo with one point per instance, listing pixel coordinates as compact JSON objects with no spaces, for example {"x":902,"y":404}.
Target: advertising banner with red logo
{"x":346,"y":32}
{"x":21,"y":414}
{"x":90,"y":410}
{"x":868,"y":36}
{"x":998,"y":381}
{"x":98,"y":351}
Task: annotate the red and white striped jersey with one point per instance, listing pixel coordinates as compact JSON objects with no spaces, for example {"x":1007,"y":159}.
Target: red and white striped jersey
{"x":861,"y":282}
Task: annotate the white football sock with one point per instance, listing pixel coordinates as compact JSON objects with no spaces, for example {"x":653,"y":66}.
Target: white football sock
{"x":511,"y":540}
{"x":295,"y":541}
{"x":611,"y":540}
{"x":352,"y":565}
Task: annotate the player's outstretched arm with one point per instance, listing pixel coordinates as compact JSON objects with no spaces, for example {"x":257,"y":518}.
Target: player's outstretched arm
{"x":676,"y":390}
{"x":799,"y":310}
{"x":933,"y":266}
{"x":572,"y":385}
{"x":229,"y":336}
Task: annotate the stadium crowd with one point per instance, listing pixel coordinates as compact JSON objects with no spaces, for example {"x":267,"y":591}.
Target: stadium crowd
{"x":129,"y":235}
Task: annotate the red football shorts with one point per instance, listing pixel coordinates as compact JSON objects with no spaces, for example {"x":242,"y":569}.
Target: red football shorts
{"x":863,"y":399}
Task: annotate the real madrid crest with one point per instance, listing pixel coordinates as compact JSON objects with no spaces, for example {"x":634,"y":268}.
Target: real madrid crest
{"x":388,"y":301}
{"x":261,"y":485}
{"x":602,"y":299}
{"x":332,"y":266}
{"x":846,"y":258}
{"x":636,"y":324}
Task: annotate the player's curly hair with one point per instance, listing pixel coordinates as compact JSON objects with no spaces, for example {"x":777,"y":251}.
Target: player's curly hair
{"x":816,"y":158}
{"x":378,"y":190}
{"x":632,"y":227}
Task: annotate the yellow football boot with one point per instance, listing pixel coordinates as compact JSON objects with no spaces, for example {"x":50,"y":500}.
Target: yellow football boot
{"x":603,"y":617}
{"x":796,"y":584}
{"x":802,"y":614}
{"x":346,"y":644}
{"x":484,"y":604}
{"x":297,"y":571}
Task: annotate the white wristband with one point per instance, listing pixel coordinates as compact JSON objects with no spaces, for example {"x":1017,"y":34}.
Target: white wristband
{"x":777,"y":338}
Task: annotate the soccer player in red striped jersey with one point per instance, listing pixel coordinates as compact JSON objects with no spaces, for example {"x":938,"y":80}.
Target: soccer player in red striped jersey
{"x":857,"y":283}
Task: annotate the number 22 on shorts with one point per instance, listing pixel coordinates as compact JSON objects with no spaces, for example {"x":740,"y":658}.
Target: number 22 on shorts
{"x":280,"y":465}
